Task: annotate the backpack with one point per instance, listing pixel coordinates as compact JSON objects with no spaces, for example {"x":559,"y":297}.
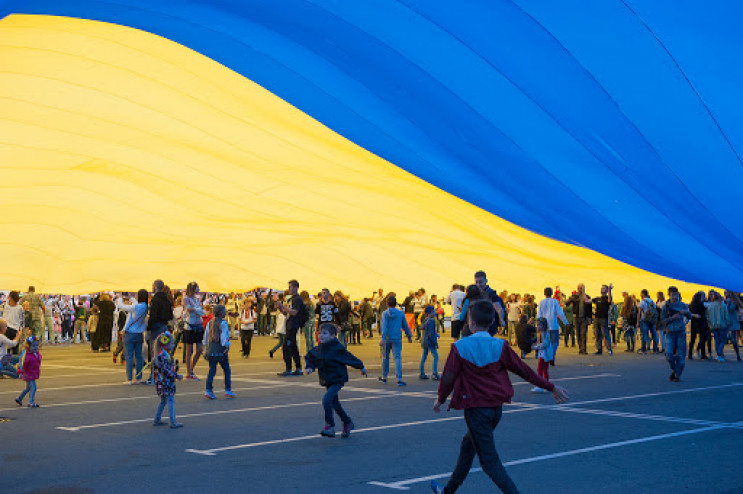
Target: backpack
{"x":651,"y":313}
{"x":303,"y":316}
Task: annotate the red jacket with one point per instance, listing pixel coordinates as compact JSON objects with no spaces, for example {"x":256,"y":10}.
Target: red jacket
{"x":31,"y":366}
{"x":480,"y":365}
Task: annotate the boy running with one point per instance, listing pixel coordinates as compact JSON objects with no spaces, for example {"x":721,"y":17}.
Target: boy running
{"x":330,"y":358}
{"x":476,"y":375}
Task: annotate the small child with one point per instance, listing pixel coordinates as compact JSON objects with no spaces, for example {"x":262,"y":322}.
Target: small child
{"x":429,"y":343}
{"x":217,"y":344}
{"x":166,"y":373}
{"x":545,"y":353}
{"x":29,"y":369}
{"x":525,"y":336}
{"x":330,"y":358}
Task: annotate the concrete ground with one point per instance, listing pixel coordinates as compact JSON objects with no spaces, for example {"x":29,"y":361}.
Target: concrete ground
{"x":626,"y":429}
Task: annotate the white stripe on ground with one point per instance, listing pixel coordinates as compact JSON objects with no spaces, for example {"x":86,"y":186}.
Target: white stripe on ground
{"x":524,"y":407}
{"x":76,"y":428}
{"x":98,"y":369}
{"x":403,"y":484}
{"x":131,"y":398}
{"x":213,"y":452}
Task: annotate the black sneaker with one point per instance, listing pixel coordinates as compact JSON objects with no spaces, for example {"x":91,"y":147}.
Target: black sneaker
{"x":598,"y":353}
{"x":423,"y":377}
{"x":297,"y":373}
{"x":382,"y":380}
{"x":284,"y":374}
{"x":19,"y":402}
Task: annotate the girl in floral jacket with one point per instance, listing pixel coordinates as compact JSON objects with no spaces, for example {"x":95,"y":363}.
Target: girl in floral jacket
{"x":166,"y":373}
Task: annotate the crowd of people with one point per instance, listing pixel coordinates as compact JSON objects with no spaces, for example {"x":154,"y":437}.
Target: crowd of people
{"x":482,"y":324}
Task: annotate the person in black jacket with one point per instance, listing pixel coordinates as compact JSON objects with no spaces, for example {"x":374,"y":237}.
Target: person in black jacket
{"x":160,"y":314}
{"x":330,"y":358}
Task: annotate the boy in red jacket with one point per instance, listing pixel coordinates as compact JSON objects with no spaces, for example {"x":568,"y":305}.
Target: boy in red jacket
{"x":476,"y":375}
{"x":29,"y":368}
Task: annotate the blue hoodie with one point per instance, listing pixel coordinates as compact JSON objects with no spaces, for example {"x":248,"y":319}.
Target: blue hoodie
{"x":393,"y":322}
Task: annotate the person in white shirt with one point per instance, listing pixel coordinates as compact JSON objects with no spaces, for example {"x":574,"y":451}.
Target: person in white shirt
{"x":455,"y":298}
{"x":550,"y":309}
{"x":14,"y":317}
{"x":8,"y":362}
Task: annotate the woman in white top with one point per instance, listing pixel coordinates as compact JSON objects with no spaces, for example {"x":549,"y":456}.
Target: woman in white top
{"x":13,"y":316}
{"x":8,"y":362}
{"x":194,"y":329}
{"x":248,"y":318}
{"x":280,"y":327}
{"x":514,"y":316}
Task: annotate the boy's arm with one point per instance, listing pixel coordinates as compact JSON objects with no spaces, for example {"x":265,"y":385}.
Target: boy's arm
{"x":451,"y":371}
{"x":310,"y":361}
{"x":351,"y":360}
{"x":514,"y":364}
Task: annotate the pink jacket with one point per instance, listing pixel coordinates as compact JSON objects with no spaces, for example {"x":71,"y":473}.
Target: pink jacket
{"x":31,"y":366}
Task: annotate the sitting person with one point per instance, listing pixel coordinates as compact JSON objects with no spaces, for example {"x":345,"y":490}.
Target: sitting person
{"x":8,"y":362}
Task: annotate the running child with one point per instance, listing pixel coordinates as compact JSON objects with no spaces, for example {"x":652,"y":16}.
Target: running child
{"x":545,"y":353}
{"x":217,"y":343}
{"x":29,"y":368}
{"x":429,"y":343}
{"x":330,"y":358}
{"x":166,"y":373}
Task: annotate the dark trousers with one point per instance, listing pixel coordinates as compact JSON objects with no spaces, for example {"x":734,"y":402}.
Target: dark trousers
{"x":366,"y":328}
{"x":246,"y":339}
{"x":569,"y":333}
{"x":479,"y":439}
{"x":356,"y":334}
{"x":581,"y":329}
{"x":291,"y":351}
{"x":262,"y":319}
{"x":330,"y":403}
{"x":456,"y":328}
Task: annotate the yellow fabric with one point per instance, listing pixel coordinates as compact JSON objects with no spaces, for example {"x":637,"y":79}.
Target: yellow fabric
{"x":126,"y":157}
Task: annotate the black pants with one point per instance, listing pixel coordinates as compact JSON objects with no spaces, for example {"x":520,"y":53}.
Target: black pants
{"x":291,"y":351}
{"x":581,"y":329}
{"x":246,"y":339}
{"x":479,"y":439}
{"x":703,"y":334}
{"x":456,"y":328}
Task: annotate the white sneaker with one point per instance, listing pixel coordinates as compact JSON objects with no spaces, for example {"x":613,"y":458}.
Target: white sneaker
{"x":536,"y":389}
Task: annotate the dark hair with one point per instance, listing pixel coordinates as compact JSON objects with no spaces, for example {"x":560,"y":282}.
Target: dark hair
{"x":142,"y":296}
{"x":215,"y":332}
{"x":548,"y":292}
{"x":481,"y":274}
{"x":645,"y":293}
{"x":472,"y":293}
{"x":294,"y":283}
{"x":191,"y":289}
{"x":482,"y":313}
{"x":329,"y":327}
{"x":391,"y":301}
{"x":159,"y":285}
{"x":31,"y":289}
{"x":14,"y":295}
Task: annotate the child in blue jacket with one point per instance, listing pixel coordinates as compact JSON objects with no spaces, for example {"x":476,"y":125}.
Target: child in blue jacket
{"x":330,"y":358}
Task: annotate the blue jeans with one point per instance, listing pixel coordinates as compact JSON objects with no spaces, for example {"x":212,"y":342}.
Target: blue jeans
{"x":224,"y":362}
{"x":479,"y":439}
{"x":676,"y":351}
{"x":721,"y":337}
{"x":133,"y":350}
{"x":601,"y":331}
{"x":435,"y":354}
{"x":555,"y":339}
{"x":170,"y":401}
{"x":629,"y":335}
{"x":396,"y":348}
{"x":31,"y":390}
{"x":644,"y":328}
{"x":330,"y":402}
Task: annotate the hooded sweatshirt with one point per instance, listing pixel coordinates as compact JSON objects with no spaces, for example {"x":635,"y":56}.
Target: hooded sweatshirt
{"x":330,"y":359}
{"x":669,"y":310}
{"x":393,"y":322}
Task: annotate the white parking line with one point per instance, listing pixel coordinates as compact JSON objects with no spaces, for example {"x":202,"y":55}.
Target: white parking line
{"x":77,"y":428}
{"x":132,"y":398}
{"x":402,"y":485}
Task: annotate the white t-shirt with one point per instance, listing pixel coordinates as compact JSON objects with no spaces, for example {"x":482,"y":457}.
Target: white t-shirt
{"x":455,"y":300}
{"x":13,"y":316}
{"x":514,"y":311}
{"x":6,"y":343}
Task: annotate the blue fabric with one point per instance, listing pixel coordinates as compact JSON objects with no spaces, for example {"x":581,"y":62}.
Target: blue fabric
{"x":613,"y":125}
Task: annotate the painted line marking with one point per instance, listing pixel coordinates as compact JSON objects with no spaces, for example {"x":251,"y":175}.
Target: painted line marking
{"x":403,"y":484}
{"x":77,"y":428}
